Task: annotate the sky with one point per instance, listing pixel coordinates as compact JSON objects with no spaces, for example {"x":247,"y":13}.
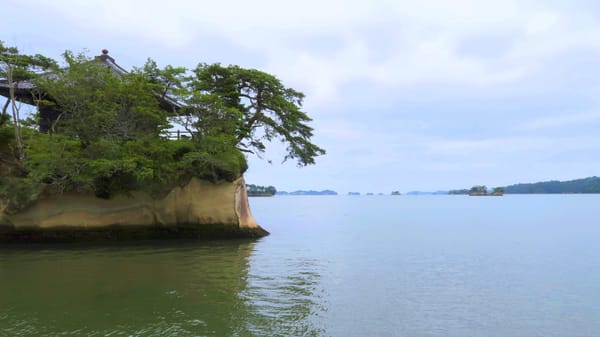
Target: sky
{"x":404,"y":95}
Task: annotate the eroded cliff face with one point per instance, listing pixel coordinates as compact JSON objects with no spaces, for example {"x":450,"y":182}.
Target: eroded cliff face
{"x":199,"y":209}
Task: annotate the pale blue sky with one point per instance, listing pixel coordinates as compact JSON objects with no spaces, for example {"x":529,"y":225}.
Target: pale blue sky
{"x":404,"y":95}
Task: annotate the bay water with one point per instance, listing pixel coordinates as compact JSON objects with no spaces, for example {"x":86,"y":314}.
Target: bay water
{"x":416,"y":266}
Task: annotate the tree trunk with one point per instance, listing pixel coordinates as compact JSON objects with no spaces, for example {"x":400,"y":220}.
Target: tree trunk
{"x":15,"y":114}
{"x":5,"y":107}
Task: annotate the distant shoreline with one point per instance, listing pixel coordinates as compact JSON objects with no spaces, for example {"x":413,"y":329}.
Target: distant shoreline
{"x":260,"y":195}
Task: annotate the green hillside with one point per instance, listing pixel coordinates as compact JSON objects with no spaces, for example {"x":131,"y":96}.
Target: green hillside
{"x":585,"y":185}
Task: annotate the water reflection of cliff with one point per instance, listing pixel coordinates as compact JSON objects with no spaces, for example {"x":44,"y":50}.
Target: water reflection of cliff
{"x":207,"y":289}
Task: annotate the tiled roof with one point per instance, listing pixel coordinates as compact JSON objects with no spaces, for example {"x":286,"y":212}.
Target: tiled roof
{"x":26,"y":86}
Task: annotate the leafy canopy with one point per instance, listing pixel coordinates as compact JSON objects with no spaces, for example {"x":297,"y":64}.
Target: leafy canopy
{"x":22,"y":67}
{"x":94,"y":103}
{"x":251,"y":107}
{"x":106,"y":133}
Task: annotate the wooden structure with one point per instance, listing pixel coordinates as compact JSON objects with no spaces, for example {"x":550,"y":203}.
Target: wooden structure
{"x":26,"y":92}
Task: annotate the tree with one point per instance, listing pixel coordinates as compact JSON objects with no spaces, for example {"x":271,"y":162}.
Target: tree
{"x":271,"y":190}
{"x":104,"y":132}
{"x":498,"y":190}
{"x":478,"y":189}
{"x":169,"y":81}
{"x":233,"y":106}
{"x":95,"y":103}
{"x":257,"y":190}
{"x":17,"y":68}
{"x":255,"y":106}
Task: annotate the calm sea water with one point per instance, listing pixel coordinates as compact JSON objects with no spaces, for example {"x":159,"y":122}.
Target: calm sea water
{"x":333,"y":266}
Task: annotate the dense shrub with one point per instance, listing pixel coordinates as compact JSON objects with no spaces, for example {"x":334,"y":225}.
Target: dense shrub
{"x":107,"y":167}
{"x":7,"y":135}
{"x":17,"y":193}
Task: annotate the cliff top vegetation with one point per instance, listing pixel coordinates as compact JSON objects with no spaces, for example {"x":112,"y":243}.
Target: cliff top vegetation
{"x":101,"y":131}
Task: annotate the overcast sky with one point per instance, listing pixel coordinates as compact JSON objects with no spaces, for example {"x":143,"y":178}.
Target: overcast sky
{"x":405,"y":95}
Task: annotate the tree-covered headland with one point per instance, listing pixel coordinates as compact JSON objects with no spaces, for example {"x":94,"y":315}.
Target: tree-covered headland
{"x":100,"y":129}
{"x":260,"y":191}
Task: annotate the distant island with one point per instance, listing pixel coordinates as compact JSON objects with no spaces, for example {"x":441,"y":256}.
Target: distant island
{"x":585,"y":186}
{"x":260,"y":191}
{"x":311,"y":192}
{"x":482,"y":190}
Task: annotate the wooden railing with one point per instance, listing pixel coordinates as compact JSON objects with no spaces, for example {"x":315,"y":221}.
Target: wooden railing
{"x":178,"y":134}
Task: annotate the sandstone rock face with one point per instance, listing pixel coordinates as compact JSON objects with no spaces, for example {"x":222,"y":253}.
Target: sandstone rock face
{"x":198,"y":209}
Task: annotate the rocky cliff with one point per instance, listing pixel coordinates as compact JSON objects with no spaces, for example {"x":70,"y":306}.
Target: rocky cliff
{"x":199,"y":209}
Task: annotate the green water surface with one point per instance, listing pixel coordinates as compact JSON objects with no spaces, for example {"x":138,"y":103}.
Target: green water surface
{"x":447,"y":266}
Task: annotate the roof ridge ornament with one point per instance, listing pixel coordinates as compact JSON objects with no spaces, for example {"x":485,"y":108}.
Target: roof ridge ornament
{"x":108,"y":59}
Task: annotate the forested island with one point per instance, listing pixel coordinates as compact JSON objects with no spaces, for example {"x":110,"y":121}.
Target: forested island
{"x":153,"y":135}
{"x":269,"y":191}
{"x":585,"y":185}
{"x":260,"y":191}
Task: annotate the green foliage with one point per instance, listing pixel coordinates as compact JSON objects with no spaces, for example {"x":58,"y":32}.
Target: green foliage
{"x":4,"y":119}
{"x":169,"y":80}
{"x":106,"y":130}
{"x":95,"y":103}
{"x":457,"y":192}
{"x":478,"y":189}
{"x":108,"y":168}
{"x":22,"y":67}
{"x":17,"y":193}
{"x":6,"y":137}
{"x":14,"y":69}
{"x":257,"y":190}
{"x":214,"y":167}
{"x":249,"y":106}
{"x":57,"y":163}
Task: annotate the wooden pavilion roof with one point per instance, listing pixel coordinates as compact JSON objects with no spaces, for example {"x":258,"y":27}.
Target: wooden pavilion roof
{"x":24,"y":90}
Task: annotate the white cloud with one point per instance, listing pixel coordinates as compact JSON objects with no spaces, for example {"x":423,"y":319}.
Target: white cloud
{"x":483,"y":147}
{"x":511,"y":146}
{"x":423,"y":38}
{"x":338,"y":51}
{"x":542,"y":22}
{"x":560,"y":121}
